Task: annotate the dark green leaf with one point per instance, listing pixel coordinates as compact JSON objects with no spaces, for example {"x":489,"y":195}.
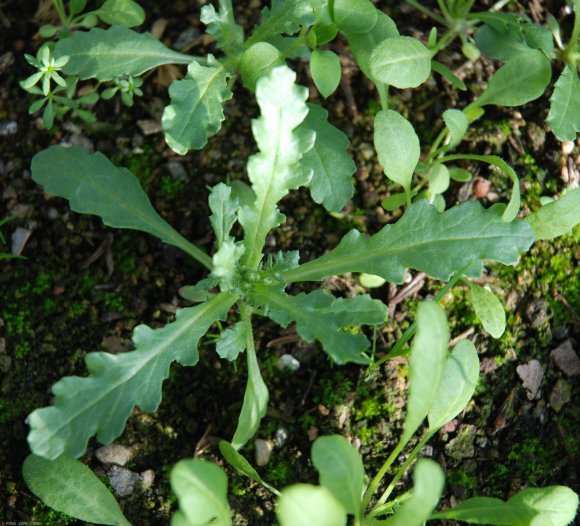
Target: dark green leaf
{"x":557,"y":217}
{"x":564,"y":116}
{"x":326,"y":71}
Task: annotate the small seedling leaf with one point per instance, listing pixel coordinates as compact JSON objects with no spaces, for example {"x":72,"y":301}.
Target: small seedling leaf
{"x":355,"y":16}
{"x":557,"y":217}
{"x":457,"y":123}
{"x":303,"y":504}
{"x":564,"y":116}
{"x":488,"y":309}
{"x":232,"y":342}
{"x":326,"y":71}
{"x":223,"y":207}
{"x":125,"y":13}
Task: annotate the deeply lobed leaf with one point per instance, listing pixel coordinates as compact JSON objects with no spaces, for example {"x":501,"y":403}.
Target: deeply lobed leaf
{"x":108,"y":53}
{"x":439,"y":244}
{"x":196,"y":110}
{"x":320,"y":316}
{"x":101,"y":403}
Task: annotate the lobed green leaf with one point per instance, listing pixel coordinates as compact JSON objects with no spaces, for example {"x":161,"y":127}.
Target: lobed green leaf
{"x":320,"y":316}
{"x":202,"y":493}
{"x":332,"y":167}
{"x":105,"y":54}
{"x":101,"y":403}
{"x":229,"y":35}
{"x":439,"y":244}
{"x":223,"y":207}
{"x":232,"y":342}
{"x":94,"y":185}
{"x":196,"y":110}
{"x":557,"y":217}
{"x":68,"y":486}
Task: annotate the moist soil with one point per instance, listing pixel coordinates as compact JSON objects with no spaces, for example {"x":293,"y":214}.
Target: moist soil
{"x":83,"y":287}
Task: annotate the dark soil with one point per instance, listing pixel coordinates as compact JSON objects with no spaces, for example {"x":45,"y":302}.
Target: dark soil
{"x":83,"y":287}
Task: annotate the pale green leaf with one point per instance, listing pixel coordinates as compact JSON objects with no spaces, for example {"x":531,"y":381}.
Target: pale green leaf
{"x":397,"y":147}
{"x":223,"y":207}
{"x":232,"y":342}
{"x":426,"y":363}
{"x":354,"y":16}
{"x":94,"y":185}
{"x":557,"y":217}
{"x":439,"y":244}
{"x":488,"y":309}
{"x":202,"y":493}
{"x":255,"y":401}
{"x":341,"y":471}
{"x":320,"y":316}
{"x":428,"y":482}
{"x":460,"y":175}
{"x":283,"y":17}
{"x":456,"y":122}
{"x":305,"y":504}
{"x":275,"y":169}
{"x":225,"y":263}
{"x":117,"y":383}
{"x":196,"y":110}
{"x":326,"y":71}
{"x":115,"y":52}
{"x":457,"y":385}
{"x":521,"y":80}
{"x":439,"y":179}
{"x":221,"y":25}
{"x":370,"y":281}
{"x":564,"y":116}
{"x":332,"y":167}
{"x":257,"y":61}
{"x":551,"y":506}
{"x":125,"y":13}
{"x":362,"y":44}
{"x":68,"y":486}
{"x":238,"y":461}
{"x":401,"y":61}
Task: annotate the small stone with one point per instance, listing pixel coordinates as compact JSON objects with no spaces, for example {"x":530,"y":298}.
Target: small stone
{"x":115,"y":454}
{"x":567,"y":147}
{"x":186,"y":38}
{"x":149,"y":126}
{"x":367,"y":151}
{"x":427,"y":451}
{"x":123,"y":481}
{"x":287,"y":362}
{"x":323,"y":410}
{"x":566,"y":359}
{"x":531,"y":375}
{"x":312,"y":433}
{"x":481,"y":188}
{"x":263,"y":451}
{"x":176,"y":170}
{"x":9,"y":193}
{"x":280,"y":436}
{"x":8,"y":128}
{"x":19,"y":239}
{"x":147,"y":478}
{"x":560,"y":395}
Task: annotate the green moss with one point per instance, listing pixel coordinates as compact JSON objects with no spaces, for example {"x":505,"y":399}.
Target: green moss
{"x":462,"y":479}
{"x":280,"y":472}
{"x":172,"y":187}
{"x":115,"y":301}
{"x":141,"y":165}
{"x":49,"y":517}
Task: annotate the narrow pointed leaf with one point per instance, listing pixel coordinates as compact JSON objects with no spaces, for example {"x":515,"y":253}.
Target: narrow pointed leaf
{"x":518,"y":81}
{"x":397,"y":147}
{"x":341,"y":471}
{"x":232,"y":342}
{"x":101,"y":403}
{"x":275,"y":170}
{"x":196,"y":110}
{"x":223,"y":207}
{"x":202,"y":492}
{"x":551,"y":506}
{"x":320,"y":316}
{"x":564,"y":116}
{"x":238,"y":461}
{"x":94,"y":185}
{"x":428,"y":482}
{"x":557,"y":217}
{"x":125,"y":13}
{"x":68,"y":486}
{"x":402,"y":62}
{"x":305,"y":504}
{"x":108,"y":53}
{"x":332,"y":167}
{"x":255,"y":402}
{"x":424,"y":239}
{"x":426,"y":364}
{"x":488,"y":309}
{"x":457,"y":385}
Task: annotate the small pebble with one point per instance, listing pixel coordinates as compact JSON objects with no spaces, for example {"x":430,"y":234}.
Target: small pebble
{"x":123,"y":481}
{"x":280,"y":436}
{"x":287,"y":362}
{"x":115,"y":454}
{"x":176,"y":170}
{"x":531,"y":375}
{"x":263,"y":451}
{"x":566,"y":358}
{"x":567,"y":147}
{"x":8,"y":128}
{"x":147,"y":478}
{"x":19,"y":239}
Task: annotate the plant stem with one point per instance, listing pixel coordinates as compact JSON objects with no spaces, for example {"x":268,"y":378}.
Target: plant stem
{"x":403,"y":469}
{"x":570,"y":51}
{"x":397,"y":348}
{"x":58,"y":5}
{"x":428,"y":12}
